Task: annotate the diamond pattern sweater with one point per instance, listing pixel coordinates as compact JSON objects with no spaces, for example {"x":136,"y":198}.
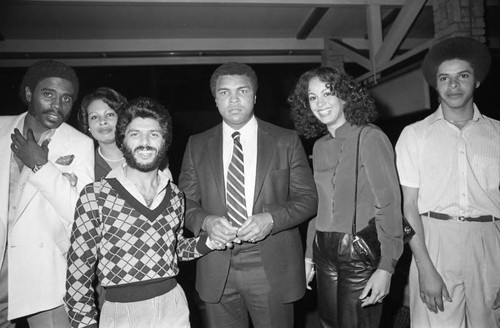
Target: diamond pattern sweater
{"x":128,"y":242}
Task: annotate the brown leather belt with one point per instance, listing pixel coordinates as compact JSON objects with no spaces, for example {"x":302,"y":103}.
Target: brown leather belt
{"x":441,"y":216}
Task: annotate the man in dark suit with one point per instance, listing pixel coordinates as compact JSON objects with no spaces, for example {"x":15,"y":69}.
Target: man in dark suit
{"x":261,"y":271}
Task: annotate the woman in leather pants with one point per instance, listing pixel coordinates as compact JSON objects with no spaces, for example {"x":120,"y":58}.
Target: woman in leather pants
{"x":328,"y":105}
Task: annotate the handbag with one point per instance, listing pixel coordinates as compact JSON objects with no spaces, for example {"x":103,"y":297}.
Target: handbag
{"x":365,"y":242}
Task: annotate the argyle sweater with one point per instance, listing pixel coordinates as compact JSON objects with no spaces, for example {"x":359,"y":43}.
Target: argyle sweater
{"x":129,"y":242}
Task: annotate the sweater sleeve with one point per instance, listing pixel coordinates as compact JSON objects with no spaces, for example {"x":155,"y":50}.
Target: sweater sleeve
{"x":190,"y":248}
{"x":82,"y":259}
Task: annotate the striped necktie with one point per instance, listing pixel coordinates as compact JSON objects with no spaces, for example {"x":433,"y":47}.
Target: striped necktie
{"x":235,"y":190}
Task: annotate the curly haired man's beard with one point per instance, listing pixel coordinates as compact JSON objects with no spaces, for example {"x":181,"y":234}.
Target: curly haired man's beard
{"x":128,"y":154}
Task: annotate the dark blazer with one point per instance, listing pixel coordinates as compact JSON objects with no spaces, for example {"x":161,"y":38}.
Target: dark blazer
{"x":284,"y":187}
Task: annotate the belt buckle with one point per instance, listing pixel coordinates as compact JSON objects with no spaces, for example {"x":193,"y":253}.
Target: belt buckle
{"x":461,"y":218}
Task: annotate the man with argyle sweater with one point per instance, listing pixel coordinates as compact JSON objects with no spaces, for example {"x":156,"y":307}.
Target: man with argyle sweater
{"x":128,"y":231}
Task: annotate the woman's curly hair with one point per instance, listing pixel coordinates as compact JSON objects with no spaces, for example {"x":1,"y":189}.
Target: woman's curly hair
{"x":359,"y":107}
{"x":110,"y":97}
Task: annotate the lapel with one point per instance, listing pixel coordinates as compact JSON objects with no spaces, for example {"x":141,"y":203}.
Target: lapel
{"x":265,"y":152}
{"x":216,"y":163}
{"x":57,"y":147}
{"x":28,"y":192}
{"x":7,"y":125}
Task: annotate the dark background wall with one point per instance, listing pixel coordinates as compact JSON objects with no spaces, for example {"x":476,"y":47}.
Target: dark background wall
{"x":185,"y":91}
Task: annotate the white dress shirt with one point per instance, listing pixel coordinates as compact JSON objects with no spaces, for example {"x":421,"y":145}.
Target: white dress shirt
{"x":248,"y":140}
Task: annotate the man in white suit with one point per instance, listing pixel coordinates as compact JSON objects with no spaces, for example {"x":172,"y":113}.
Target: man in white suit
{"x":45,"y":164}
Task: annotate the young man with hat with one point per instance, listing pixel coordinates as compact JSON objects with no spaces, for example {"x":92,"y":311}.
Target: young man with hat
{"x":37,"y":199}
{"x":449,"y":168}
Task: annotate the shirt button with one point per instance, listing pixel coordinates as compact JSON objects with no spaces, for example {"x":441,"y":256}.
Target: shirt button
{"x":41,"y":245}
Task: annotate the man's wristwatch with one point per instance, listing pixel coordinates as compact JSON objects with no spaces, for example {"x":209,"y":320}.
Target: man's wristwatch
{"x":37,"y":167}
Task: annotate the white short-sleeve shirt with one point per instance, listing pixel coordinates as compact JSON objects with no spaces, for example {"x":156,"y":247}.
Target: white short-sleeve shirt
{"x":456,"y":171}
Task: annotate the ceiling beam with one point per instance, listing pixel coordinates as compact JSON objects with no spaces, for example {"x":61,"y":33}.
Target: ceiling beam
{"x":341,"y":48}
{"x":374,"y":26}
{"x":398,"y":30}
{"x":215,"y":44}
{"x":410,"y":53}
{"x":163,"y":51}
{"x":309,"y":3}
{"x":363,"y":43}
{"x":310,"y":23}
{"x":149,"y":61}
{"x":22,"y":53}
{"x":388,"y":18}
{"x":130,"y":45}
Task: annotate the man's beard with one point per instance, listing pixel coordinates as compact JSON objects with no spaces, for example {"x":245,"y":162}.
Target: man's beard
{"x":128,"y":154}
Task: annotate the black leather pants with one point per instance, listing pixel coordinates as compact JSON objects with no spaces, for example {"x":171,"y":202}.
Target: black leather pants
{"x":341,"y":277}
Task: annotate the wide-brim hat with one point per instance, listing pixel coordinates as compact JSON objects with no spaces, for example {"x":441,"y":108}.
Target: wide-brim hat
{"x":463,"y":48}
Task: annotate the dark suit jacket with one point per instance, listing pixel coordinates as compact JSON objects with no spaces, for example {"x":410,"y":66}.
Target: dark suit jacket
{"x":284,"y":188}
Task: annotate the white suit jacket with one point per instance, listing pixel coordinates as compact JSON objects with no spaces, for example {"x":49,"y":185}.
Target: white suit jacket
{"x":38,"y":238}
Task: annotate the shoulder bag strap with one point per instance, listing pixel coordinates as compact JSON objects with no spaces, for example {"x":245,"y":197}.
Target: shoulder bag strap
{"x":356,"y":182}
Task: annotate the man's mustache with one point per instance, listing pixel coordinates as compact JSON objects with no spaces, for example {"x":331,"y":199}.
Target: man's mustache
{"x":139,"y":148}
{"x":53,"y":112}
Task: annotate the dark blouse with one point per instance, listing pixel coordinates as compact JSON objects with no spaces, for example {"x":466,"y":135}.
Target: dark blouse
{"x":378,"y":188}
{"x":101,"y":167}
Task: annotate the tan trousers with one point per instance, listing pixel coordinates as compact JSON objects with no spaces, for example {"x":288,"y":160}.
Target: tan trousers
{"x":167,"y":310}
{"x":467,"y":256}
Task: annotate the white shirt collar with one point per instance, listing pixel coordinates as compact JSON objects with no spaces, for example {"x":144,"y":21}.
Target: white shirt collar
{"x":248,"y":128}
